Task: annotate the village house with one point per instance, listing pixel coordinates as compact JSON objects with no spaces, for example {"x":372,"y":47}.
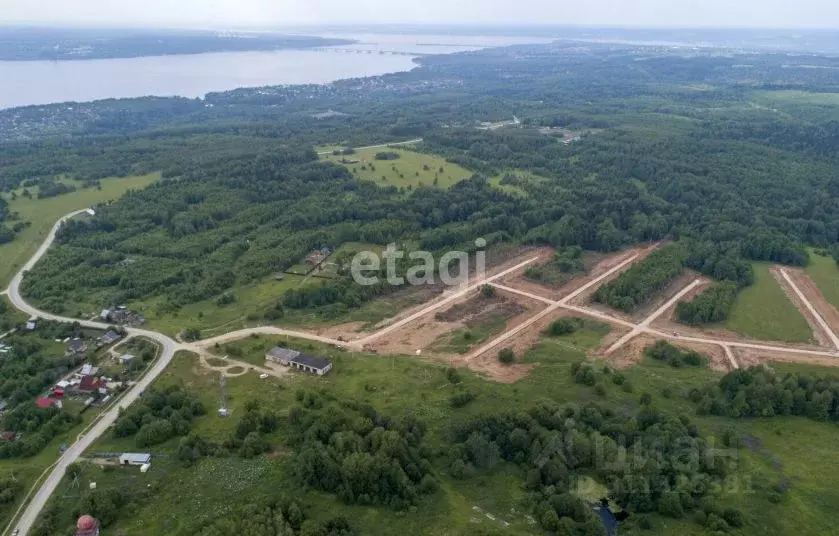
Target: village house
{"x":316,"y":257}
{"x":125,"y":359}
{"x":89,"y":385}
{"x":44,"y":402}
{"x":109,"y":338}
{"x":76,"y":347}
{"x":122,"y":316}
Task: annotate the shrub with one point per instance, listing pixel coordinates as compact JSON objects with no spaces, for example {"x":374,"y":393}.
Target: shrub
{"x":462,"y":399}
{"x":506,"y":356}
{"x":563,"y":326}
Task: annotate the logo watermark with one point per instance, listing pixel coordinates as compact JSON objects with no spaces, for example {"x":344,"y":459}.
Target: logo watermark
{"x":398,"y":267}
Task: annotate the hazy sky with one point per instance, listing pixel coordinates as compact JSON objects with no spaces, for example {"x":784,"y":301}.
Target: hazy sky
{"x":265,"y":13}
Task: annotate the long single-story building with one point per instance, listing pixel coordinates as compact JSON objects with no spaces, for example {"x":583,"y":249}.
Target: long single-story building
{"x":281,"y":355}
{"x":134,"y":458}
{"x":304,"y":362}
{"x":312,"y":364}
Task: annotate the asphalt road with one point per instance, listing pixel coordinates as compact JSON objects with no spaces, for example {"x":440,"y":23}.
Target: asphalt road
{"x":101,"y":425}
{"x":169,"y":347}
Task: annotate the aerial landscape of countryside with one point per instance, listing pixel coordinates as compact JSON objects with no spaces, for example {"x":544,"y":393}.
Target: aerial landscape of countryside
{"x":586,"y":287}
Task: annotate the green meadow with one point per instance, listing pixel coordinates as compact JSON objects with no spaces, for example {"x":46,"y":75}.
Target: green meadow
{"x":762,"y":311}
{"x":43,"y":213}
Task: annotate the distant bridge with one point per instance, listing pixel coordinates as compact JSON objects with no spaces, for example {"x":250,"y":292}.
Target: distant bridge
{"x":373,"y":51}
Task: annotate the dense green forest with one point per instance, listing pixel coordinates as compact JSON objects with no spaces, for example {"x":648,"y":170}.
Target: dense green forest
{"x":643,"y":281}
{"x":716,"y":159}
{"x":246,"y":199}
{"x":713,"y":305}
{"x":760,"y":392}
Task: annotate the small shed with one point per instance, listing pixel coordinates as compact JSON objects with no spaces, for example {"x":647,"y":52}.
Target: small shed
{"x":281,"y":355}
{"x":125,"y":359}
{"x":134,"y":458}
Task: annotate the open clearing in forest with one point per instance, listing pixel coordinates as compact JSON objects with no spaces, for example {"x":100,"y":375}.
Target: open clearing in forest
{"x":411,"y":169}
{"x":42,"y":214}
{"x":825,"y":274}
{"x":764,"y":312}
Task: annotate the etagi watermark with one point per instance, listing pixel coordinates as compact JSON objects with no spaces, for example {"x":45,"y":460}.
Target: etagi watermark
{"x":453,"y":268}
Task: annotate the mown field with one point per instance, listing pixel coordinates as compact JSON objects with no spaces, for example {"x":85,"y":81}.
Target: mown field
{"x":182,"y":497}
{"x":762,"y":311}
{"x":43,"y":213}
{"x":825,"y":274}
{"x":411,"y":169}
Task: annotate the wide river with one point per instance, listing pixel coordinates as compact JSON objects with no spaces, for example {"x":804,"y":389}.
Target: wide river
{"x":24,"y":83}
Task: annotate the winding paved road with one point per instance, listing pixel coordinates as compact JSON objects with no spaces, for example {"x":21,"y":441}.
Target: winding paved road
{"x":104,"y":421}
{"x":169,"y":347}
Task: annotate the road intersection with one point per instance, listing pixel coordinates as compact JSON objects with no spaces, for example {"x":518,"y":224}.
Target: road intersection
{"x":169,"y":347}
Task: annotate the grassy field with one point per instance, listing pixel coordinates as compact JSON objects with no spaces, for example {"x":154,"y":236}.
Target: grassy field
{"x":252,"y":301}
{"x":764,"y":312}
{"x":825,"y":274}
{"x":43,"y":213}
{"x":411,"y":169}
{"x":10,"y":316}
{"x":204,"y":491}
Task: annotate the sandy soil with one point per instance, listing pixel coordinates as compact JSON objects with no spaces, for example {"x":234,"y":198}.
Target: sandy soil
{"x":342,"y":332}
{"x":749,"y":358}
{"x":422,"y":334}
{"x":632,"y":352}
{"x":508,"y":261}
{"x":489,"y":366}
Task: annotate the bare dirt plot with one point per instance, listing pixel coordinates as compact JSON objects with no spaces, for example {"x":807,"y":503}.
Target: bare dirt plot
{"x":632,"y":352}
{"x":816,"y":299}
{"x":748,"y":357}
{"x":489,"y":366}
{"x":527,"y":338}
{"x":485,"y":318}
{"x":506,"y":260}
{"x":474,"y":311}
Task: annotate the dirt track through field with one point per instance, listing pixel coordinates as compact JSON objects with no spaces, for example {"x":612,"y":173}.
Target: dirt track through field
{"x":813,"y":313}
